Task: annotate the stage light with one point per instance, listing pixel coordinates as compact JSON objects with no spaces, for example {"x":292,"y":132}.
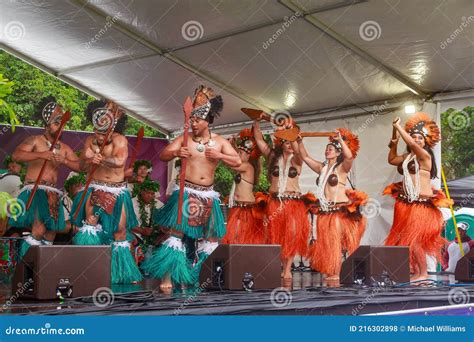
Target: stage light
{"x":290,"y":99}
{"x":410,"y":108}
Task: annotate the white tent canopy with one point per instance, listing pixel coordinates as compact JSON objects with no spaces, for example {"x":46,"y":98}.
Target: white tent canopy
{"x":300,"y":56}
{"x":330,"y":63}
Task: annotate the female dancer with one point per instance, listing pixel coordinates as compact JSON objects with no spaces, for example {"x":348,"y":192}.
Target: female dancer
{"x":287,"y":214}
{"x":340,"y":225}
{"x":417,"y":222}
{"x":245,"y":221}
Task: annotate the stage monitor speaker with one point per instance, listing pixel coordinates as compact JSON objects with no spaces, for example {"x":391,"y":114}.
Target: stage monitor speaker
{"x":48,"y":272}
{"x":239,"y":267}
{"x":369,"y":263}
{"x":464,"y":271}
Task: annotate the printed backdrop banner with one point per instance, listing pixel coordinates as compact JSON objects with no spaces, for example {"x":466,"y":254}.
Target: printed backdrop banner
{"x":150,"y":149}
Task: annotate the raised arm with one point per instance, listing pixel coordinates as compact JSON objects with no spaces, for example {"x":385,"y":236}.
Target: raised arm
{"x":296,"y":153}
{"x":261,"y":144}
{"x":24,"y":152}
{"x":313,"y":164}
{"x":419,"y":151}
{"x":393,"y":157}
{"x":346,"y":152}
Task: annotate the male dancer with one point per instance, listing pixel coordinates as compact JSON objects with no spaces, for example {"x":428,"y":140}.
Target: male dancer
{"x":106,"y":215}
{"x":46,"y":214}
{"x":203,"y":219}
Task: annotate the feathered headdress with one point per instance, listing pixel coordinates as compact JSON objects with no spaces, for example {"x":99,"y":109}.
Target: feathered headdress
{"x":351,"y":140}
{"x":246,"y":142}
{"x":422,"y":124}
{"x":206,"y":104}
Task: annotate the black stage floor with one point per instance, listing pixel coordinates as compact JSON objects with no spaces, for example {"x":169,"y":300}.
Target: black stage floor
{"x":305,"y":295}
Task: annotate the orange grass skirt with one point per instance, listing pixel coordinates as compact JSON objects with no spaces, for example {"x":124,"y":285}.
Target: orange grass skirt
{"x":337,"y":231}
{"x":245,"y":226}
{"x":288,"y":225}
{"x":417,"y":225}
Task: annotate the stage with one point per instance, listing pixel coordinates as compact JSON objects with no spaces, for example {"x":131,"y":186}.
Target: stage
{"x":305,"y":295}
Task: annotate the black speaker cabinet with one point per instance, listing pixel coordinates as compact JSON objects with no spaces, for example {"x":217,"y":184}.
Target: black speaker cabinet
{"x":233,"y":267}
{"x":70,"y":271}
{"x":464,"y":271}
{"x":369,"y":262}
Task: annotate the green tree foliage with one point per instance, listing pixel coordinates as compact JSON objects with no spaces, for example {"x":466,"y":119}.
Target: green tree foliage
{"x":6,"y":89}
{"x":31,"y":84}
{"x":458,"y":142}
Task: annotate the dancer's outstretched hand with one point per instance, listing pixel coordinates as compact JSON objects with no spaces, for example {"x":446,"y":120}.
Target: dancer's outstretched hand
{"x":396,"y":122}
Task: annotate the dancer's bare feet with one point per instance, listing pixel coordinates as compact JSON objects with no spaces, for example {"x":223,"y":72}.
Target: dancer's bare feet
{"x":332,"y":277}
{"x":420,"y":280}
{"x":287,"y":283}
{"x":166,"y":283}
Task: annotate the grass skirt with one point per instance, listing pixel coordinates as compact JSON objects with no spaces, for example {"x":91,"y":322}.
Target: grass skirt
{"x":337,"y":230}
{"x":167,"y":217}
{"x":169,"y":259}
{"x":288,"y":225}
{"x":124,"y":269}
{"x":25,"y":245}
{"x":244,"y":226}
{"x":417,"y":225}
{"x":109,"y":223}
{"x":39,"y":210}
{"x":88,"y":236}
